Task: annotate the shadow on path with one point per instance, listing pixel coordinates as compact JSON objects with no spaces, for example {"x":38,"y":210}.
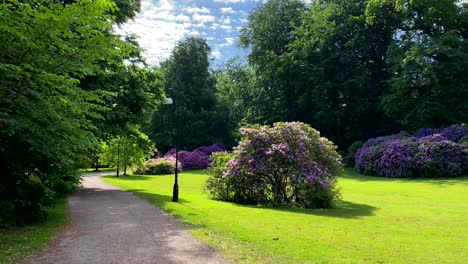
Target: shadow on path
{"x":113,"y":226}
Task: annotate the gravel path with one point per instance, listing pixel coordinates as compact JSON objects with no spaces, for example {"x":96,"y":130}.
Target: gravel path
{"x":113,"y":226}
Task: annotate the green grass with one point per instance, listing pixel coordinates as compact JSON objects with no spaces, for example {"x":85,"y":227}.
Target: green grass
{"x":380,"y":220}
{"x":100,"y":169}
{"x":18,"y":242}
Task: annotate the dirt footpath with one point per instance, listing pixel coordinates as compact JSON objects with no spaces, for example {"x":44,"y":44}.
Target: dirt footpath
{"x":113,"y":226}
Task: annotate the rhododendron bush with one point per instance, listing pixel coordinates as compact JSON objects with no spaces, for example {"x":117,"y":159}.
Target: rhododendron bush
{"x":288,"y":163}
{"x":429,"y":153}
{"x":196,"y":159}
{"x":159,"y":166}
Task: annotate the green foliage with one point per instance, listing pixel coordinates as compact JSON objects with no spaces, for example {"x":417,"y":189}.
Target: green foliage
{"x":345,"y":65}
{"x":124,"y":152}
{"x":18,"y":242}
{"x":349,"y":159}
{"x":327,"y":69}
{"x":159,"y":166}
{"x":426,"y":58}
{"x":217,"y":186}
{"x":269,"y":32}
{"x":47,"y":121}
{"x":191,"y":85}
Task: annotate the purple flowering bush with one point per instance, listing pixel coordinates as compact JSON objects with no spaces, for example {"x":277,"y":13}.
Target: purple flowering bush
{"x":198,"y":158}
{"x":288,"y":163}
{"x":396,"y":159}
{"x":440,"y":158}
{"x":216,"y":147}
{"x":159,"y":166}
{"x":428,"y":153}
{"x":368,"y":156}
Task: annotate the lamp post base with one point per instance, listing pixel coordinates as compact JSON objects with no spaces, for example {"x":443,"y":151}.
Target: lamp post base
{"x":175,"y":193}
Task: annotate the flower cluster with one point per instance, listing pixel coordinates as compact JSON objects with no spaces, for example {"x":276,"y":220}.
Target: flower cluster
{"x":429,"y":153}
{"x":198,"y":158}
{"x":288,"y":163}
{"x":216,"y":147}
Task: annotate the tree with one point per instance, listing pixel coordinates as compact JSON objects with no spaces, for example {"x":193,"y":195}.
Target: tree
{"x":269,"y":32}
{"x":234,"y":83}
{"x":190,"y":83}
{"x":46,"y":118}
{"x":340,"y":66}
{"x":330,"y":69}
{"x":127,"y":151}
{"x":428,"y":59}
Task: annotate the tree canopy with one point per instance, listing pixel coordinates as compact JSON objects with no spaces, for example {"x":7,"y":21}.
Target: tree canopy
{"x":47,"y":118}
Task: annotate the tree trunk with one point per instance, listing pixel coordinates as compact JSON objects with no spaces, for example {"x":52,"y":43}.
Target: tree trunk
{"x":118,"y":157}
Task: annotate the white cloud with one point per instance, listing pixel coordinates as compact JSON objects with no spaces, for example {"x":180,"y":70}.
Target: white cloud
{"x":195,"y":9}
{"x":229,"y":41}
{"x":165,"y":5}
{"x":229,"y":1}
{"x":215,"y":26}
{"x":227,"y":10}
{"x":162,"y":24}
{"x":203,"y":18}
{"x":226,"y":20}
{"x":182,"y":17}
{"x":216,"y":54}
{"x":159,"y":29}
{"x":227,"y":28}
{"x":243,"y":20}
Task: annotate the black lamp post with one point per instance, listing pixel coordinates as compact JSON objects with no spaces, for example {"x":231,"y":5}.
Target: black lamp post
{"x":175,"y":191}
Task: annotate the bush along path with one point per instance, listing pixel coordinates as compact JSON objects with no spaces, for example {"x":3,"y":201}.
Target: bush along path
{"x":113,"y":226}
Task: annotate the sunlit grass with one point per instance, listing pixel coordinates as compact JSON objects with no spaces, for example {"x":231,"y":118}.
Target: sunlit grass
{"x":380,"y":220}
{"x":18,"y":242}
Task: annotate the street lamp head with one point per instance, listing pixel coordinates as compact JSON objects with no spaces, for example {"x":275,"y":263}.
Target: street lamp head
{"x":168,"y":101}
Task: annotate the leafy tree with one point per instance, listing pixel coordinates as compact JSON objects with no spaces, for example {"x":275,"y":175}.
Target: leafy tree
{"x":269,"y":32}
{"x":124,"y":152}
{"x":428,"y":60}
{"x":191,"y":85}
{"x":234,"y":83}
{"x":340,"y":67}
{"x":47,"y":120}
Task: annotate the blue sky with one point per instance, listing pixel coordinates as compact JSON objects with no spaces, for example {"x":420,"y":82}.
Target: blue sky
{"x":161,"y":24}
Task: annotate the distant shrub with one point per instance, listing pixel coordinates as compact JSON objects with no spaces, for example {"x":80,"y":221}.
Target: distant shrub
{"x":208,"y":150}
{"x":396,"y":159}
{"x":428,"y":153}
{"x":159,"y":166}
{"x":440,"y":158}
{"x":367,"y":157}
{"x":288,"y":163}
{"x":218,"y":186}
{"x":198,"y":158}
{"x":348,"y":159}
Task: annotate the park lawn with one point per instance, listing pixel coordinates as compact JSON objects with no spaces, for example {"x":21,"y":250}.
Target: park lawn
{"x":379,"y":220}
{"x":18,"y":242}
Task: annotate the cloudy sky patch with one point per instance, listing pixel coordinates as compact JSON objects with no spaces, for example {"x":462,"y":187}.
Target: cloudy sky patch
{"x":162,"y":24}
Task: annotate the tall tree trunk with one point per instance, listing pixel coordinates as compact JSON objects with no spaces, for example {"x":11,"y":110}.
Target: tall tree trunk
{"x":118,"y":156}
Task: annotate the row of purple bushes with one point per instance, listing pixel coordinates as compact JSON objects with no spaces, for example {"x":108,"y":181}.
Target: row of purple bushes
{"x":198,"y":158}
{"x":428,"y":153}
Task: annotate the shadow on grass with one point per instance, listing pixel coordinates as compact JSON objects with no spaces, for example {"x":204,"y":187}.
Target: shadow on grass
{"x":342,"y":209}
{"x":133,"y":177}
{"x":351,"y":174}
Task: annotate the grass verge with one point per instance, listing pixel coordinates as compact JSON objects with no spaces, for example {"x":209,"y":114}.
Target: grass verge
{"x":18,"y":242}
{"x":379,"y":220}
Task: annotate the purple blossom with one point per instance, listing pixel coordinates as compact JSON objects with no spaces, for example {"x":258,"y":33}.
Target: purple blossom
{"x":429,"y":153}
